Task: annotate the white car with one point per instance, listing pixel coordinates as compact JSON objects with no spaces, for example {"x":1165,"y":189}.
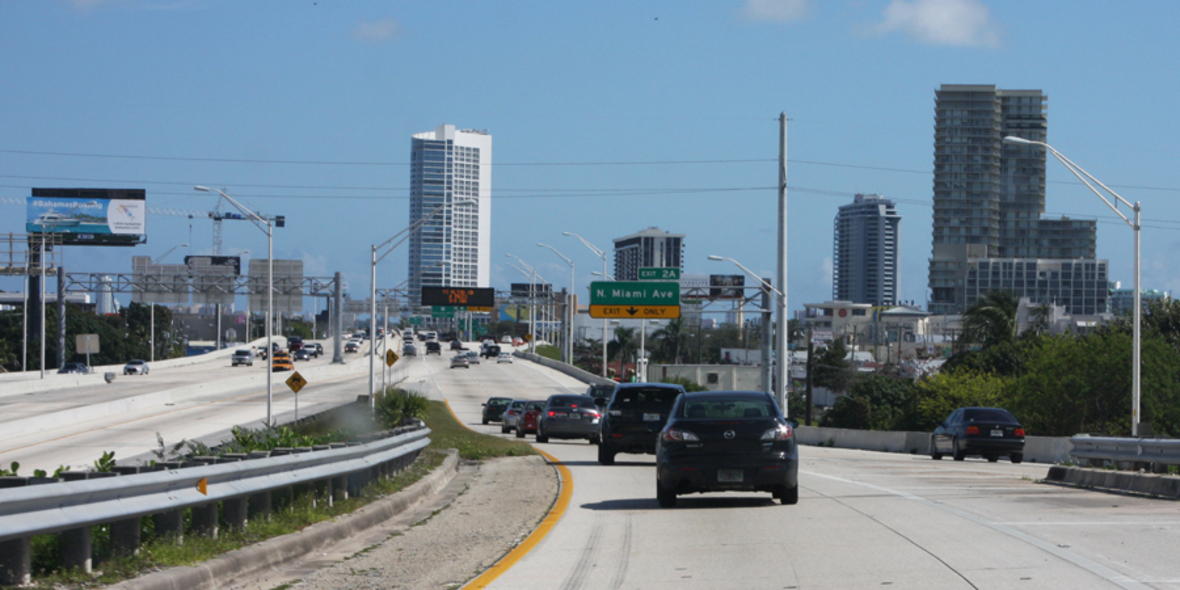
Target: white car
{"x":505,"y":357}
{"x":135,"y":367}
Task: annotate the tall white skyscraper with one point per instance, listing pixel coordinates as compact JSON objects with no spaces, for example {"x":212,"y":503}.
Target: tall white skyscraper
{"x":449,"y":167}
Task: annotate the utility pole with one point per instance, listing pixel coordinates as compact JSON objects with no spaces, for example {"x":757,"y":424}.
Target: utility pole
{"x":810,"y":364}
{"x":783,"y":355}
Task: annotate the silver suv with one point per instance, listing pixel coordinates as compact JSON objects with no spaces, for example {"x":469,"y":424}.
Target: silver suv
{"x":243,"y":357}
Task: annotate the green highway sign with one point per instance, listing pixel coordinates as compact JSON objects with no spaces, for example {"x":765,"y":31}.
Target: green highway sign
{"x":416,"y":320}
{"x":634,"y":293}
{"x":670,"y":273}
{"x":442,"y":311}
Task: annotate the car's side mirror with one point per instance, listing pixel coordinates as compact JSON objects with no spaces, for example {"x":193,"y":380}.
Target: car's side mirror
{"x":483,"y":405}
{"x":793,"y":422}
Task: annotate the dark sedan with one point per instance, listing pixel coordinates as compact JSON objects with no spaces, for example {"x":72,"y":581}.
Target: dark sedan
{"x":719,"y":441}
{"x":568,"y":416}
{"x":633,"y":417}
{"x":493,"y":409}
{"x":987,"y":432}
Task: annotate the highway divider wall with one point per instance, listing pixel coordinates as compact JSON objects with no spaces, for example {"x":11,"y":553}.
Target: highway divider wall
{"x":572,"y":371}
{"x":1038,"y":449}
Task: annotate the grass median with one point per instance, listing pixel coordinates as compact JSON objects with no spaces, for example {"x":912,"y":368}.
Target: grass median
{"x":158,"y":553}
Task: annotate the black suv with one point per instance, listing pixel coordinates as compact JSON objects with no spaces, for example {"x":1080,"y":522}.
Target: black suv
{"x":634,"y":417}
{"x":433,"y":347}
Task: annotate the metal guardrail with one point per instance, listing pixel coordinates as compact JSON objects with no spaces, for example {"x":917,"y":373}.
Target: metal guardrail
{"x":1156,"y":451}
{"x":72,"y":507}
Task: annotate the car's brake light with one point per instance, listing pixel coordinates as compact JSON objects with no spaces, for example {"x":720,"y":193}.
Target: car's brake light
{"x":552,"y":413}
{"x":1018,"y":432}
{"x":677,"y":435}
{"x":972,"y":430}
{"x":782,"y":432}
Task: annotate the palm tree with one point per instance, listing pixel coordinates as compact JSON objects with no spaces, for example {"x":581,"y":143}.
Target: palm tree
{"x":625,"y":346}
{"x":670,"y":341}
{"x":991,"y":320}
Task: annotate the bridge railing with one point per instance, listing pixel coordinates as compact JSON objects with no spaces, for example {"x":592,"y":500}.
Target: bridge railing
{"x":229,"y":489}
{"x":1150,"y":454}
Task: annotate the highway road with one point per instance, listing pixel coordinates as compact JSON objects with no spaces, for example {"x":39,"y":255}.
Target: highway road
{"x":864,"y":519}
{"x":74,"y":426}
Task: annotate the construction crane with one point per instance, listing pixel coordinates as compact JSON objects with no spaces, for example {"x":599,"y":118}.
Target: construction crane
{"x":217,"y":215}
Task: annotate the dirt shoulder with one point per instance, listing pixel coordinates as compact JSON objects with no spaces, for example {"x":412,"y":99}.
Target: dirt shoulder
{"x":444,"y":541}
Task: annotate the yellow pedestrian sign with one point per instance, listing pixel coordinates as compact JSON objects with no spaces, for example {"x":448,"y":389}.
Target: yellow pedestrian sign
{"x":296,"y":381}
{"x":390,"y":358}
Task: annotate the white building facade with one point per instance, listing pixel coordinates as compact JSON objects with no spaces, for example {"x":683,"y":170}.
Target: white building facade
{"x":449,"y":168}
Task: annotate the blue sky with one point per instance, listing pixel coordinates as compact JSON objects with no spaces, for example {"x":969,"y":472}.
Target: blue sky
{"x":606,"y":117}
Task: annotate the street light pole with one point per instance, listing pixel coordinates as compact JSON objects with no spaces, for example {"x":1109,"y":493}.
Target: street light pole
{"x":783,"y":320}
{"x":571,"y":313}
{"x":602,"y":254}
{"x":404,"y":235}
{"x":267,"y":227}
{"x":532,"y":301}
{"x":784,"y":358}
{"x":1086,"y":179}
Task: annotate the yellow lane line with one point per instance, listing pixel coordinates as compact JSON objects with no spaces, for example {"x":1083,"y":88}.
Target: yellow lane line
{"x":559,"y":507}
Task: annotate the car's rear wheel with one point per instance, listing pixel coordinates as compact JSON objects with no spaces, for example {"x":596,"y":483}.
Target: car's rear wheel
{"x":666,"y":497}
{"x":595,"y":440}
{"x":485,"y":421}
{"x":959,"y":454}
{"x":504,"y":429}
{"x":992,"y":458}
{"x":605,"y":455}
{"x":787,"y":495}
{"x":541,"y":438}
{"x":1016,"y":457}
{"x":519,"y":433}
{"x":934,"y":454}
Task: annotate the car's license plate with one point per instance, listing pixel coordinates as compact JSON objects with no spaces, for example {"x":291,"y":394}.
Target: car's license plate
{"x":997,"y":433}
{"x":559,"y":414}
{"x":651,"y":417}
{"x":729,"y":475}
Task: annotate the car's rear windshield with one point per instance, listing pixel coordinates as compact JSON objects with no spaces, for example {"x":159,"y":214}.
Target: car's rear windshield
{"x":988,"y":415}
{"x":727,"y":409}
{"x":535,"y":405}
{"x":241,"y":352}
{"x":633,"y":396}
{"x":569,"y":401}
{"x":499,"y":401}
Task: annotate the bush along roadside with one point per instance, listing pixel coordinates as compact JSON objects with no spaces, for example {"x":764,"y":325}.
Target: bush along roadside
{"x":290,"y":514}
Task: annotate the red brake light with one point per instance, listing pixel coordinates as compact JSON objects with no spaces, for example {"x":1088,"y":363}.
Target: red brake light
{"x":551,"y":413}
{"x":972,"y":430}
{"x":1018,"y":432}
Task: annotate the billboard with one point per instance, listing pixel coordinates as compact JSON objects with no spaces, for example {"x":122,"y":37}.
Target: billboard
{"x":219,"y":265}
{"x":726,"y":286}
{"x":89,"y":216}
{"x":464,"y":296}
{"x":538,"y":289}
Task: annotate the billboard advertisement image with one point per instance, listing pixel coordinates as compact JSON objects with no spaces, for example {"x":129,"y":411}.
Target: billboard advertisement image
{"x":95,"y":217}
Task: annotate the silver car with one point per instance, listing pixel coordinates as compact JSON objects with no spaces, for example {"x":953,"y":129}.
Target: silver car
{"x":135,"y":367}
{"x":512,"y":415}
{"x":569,"y":416}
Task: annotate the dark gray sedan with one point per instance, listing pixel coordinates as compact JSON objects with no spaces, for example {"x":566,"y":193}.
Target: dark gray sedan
{"x":569,"y":416}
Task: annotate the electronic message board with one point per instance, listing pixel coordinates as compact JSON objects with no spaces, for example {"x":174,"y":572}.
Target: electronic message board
{"x":463,"y":296}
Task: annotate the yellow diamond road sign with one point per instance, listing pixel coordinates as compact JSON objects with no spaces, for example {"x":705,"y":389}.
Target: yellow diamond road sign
{"x":390,"y":358}
{"x":296,"y":381}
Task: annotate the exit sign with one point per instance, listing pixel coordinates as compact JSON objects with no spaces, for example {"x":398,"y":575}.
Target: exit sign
{"x":659,"y":274}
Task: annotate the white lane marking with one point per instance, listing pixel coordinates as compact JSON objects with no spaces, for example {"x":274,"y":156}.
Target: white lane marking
{"x":1110,"y":575}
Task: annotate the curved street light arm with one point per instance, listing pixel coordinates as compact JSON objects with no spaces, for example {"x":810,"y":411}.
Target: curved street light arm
{"x":778,"y":294}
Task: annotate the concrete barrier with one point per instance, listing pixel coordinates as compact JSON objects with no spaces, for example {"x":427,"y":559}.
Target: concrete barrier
{"x":1166,"y":486}
{"x":1037,"y":449}
{"x":572,"y":371}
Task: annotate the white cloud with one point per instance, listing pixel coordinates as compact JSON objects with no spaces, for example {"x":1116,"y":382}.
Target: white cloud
{"x":965,"y":23}
{"x":376,"y":31}
{"x":775,"y":10}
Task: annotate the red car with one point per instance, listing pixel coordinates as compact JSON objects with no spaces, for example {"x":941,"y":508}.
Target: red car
{"x":528,"y":422}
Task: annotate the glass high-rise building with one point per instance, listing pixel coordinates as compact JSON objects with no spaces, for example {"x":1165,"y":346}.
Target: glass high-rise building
{"x":988,"y":200}
{"x":649,"y":248}
{"x":450,"y":168}
{"x":864,"y":251}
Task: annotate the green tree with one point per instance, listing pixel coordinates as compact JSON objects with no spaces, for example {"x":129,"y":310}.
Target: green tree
{"x":832,"y":369}
{"x":990,"y":321}
{"x":625,"y":346}
{"x":670,"y":342}
{"x":935,"y":397}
